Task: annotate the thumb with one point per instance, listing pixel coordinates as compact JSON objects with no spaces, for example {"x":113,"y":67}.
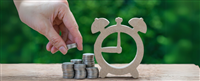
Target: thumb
{"x":54,"y":38}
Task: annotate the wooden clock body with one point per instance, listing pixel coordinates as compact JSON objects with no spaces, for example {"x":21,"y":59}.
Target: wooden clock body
{"x":99,"y":25}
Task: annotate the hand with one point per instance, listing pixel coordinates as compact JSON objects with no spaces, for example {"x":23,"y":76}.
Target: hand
{"x":50,"y":17}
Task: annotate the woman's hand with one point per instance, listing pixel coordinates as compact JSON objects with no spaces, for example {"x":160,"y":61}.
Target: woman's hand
{"x":51,"y":17}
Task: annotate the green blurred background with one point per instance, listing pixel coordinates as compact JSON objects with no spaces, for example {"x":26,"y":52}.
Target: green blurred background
{"x":173,"y":34}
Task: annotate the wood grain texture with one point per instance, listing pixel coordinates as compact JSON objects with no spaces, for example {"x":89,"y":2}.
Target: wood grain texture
{"x":53,"y":72}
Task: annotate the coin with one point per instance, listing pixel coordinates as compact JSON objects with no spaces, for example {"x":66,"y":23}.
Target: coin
{"x":80,"y":68}
{"x":80,"y":72}
{"x":88,"y":59}
{"x":68,"y":71}
{"x":70,"y":46}
{"x":92,"y":72}
{"x":88,"y":56}
{"x":76,"y":61}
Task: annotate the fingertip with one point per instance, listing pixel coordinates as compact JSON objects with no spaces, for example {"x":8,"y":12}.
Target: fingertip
{"x":49,"y":46}
{"x":80,"y":47}
{"x":54,"y":50}
{"x":65,"y":53}
{"x":79,"y":43}
{"x":63,"y":50}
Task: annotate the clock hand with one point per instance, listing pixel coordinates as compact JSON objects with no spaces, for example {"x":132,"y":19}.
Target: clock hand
{"x":119,"y":43}
{"x":113,"y":49}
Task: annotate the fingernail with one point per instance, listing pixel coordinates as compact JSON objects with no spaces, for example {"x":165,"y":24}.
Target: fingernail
{"x":52,"y":50}
{"x":63,"y":50}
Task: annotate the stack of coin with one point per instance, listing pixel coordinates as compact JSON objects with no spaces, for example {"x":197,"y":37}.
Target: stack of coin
{"x":80,"y":72}
{"x":88,"y":59}
{"x":92,"y":72}
{"x":76,"y":61}
{"x":70,"y":46}
{"x":68,"y":71}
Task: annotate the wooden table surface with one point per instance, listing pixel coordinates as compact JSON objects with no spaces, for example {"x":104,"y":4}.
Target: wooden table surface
{"x":53,"y":72}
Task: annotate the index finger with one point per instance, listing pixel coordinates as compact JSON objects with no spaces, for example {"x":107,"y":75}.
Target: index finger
{"x":72,"y":26}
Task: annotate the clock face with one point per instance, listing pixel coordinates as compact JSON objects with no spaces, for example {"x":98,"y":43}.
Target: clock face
{"x":128,"y":46}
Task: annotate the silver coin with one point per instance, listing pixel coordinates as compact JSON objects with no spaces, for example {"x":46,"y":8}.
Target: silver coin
{"x":70,"y":46}
{"x":88,"y":56}
{"x":88,"y":59}
{"x":68,"y":74}
{"x":79,"y":66}
{"x":67,"y":66}
{"x":76,"y":61}
{"x":80,"y":72}
{"x":68,"y":69}
{"x":68,"y":63}
{"x":92,"y":72}
{"x":89,"y":64}
{"x":68,"y":77}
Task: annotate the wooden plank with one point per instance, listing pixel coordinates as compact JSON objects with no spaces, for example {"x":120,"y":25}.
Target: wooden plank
{"x":53,"y":72}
